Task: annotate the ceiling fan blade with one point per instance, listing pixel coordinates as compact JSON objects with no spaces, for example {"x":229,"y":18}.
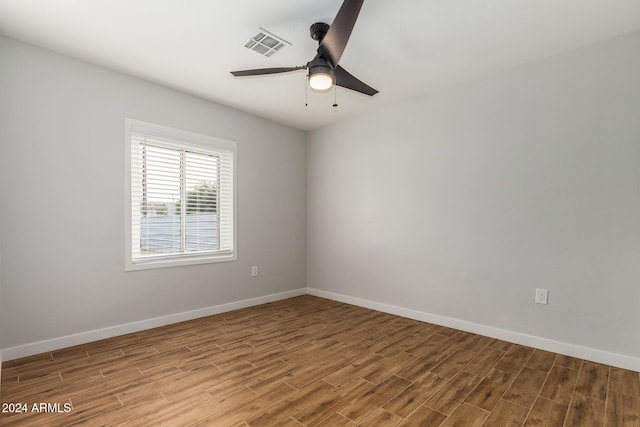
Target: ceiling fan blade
{"x":346,"y":80}
{"x":334,"y":42}
{"x":263,"y":71}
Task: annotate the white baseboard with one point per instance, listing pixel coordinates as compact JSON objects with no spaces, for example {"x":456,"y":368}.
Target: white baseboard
{"x":114,"y":331}
{"x":587,"y":353}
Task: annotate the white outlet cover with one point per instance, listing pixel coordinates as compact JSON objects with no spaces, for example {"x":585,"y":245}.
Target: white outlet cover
{"x":542,"y":296}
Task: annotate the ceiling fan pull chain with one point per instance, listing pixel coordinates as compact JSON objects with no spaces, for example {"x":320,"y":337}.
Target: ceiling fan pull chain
{"x":306,"y":96}
{"x":335,"y":98}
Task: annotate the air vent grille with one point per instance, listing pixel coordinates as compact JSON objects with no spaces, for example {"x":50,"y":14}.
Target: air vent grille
{"x":266,"y":43}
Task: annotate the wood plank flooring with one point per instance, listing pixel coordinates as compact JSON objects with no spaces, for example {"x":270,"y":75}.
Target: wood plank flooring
{"x":307,"y":361}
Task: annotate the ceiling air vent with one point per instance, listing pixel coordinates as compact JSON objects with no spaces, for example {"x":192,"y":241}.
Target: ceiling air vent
{"x":266,"y":43}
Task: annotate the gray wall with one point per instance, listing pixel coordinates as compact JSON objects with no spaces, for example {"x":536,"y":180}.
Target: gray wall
{"x":461,"y":203}
{"x":62,"y":172}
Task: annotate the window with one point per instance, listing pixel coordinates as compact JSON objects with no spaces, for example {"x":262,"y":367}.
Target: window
{"x":180,"y":199}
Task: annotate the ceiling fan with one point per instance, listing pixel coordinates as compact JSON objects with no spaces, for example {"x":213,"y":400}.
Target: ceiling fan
{"x":324,"y":70}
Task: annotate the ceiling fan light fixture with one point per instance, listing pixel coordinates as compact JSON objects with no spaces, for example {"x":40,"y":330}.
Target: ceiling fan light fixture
{"x":320,"y":75}
{"x":320,"y":82}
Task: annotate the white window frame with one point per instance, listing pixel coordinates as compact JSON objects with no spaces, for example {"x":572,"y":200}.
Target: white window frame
{"x":193,"y":142}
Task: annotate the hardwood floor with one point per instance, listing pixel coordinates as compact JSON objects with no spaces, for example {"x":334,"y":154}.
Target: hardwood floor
{"x":307,"y":361}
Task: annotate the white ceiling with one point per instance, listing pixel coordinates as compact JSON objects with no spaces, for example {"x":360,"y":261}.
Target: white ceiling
{"x":403,"y":48}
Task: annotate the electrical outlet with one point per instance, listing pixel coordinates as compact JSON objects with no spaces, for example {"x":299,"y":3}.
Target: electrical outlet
{"x":542,"y":296}
{"x":254,"y":270}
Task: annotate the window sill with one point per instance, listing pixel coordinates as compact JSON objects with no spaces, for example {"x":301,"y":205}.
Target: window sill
{"x":177,"y":262}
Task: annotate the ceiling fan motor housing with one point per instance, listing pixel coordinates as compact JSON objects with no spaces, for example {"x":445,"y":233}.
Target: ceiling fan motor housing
{"x":320,"y":65}
{"x":318,"y":31}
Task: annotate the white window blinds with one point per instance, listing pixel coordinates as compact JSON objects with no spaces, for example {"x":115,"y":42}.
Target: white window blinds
{"x":182,"y":196}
